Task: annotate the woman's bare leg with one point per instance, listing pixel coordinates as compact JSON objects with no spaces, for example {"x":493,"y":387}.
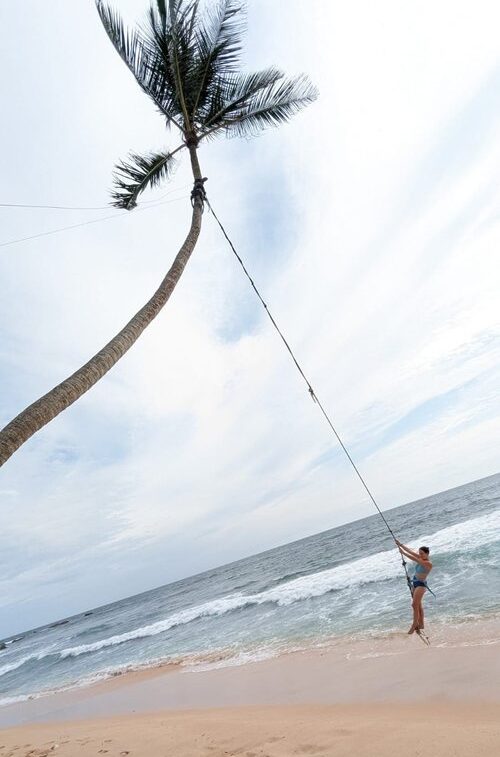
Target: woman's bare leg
{"x":414,"y":624}
{"x":421,"y":618}
{"x":418,"y":613}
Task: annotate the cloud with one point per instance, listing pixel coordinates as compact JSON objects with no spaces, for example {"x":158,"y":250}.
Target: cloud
{"x":370,"y":225}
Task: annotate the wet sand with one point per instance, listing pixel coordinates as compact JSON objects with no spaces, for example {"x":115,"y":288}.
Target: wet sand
{"x":384,"y":697}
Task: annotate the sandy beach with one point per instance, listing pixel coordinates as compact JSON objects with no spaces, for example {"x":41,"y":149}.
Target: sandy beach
{"x":340,"y":730}
{"x":383,"y":697}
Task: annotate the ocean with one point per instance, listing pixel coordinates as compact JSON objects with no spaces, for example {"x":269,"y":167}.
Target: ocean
{"x":343,"y":584}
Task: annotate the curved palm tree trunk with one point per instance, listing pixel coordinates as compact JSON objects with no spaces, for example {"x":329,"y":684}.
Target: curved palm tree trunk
{"x":41,"y":412}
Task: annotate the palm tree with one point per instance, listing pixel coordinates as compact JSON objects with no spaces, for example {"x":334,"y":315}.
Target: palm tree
{"x":187,"y":61}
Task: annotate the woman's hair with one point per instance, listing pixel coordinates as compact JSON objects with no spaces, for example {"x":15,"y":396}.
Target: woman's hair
{"x":425,"y":549}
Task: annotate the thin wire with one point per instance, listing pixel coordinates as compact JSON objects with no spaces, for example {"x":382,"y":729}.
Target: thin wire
{"x":86,"y":223}
{"x":309,"y":387}
{"x":51,"y":207}
{"x":74,"y":207}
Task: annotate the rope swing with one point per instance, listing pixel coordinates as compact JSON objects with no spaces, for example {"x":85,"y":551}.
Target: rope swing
{"x":316,"y":400}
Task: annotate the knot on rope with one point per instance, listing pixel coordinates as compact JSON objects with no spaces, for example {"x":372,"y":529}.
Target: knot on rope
{"x":198,"y":192}
{"x":191,"y":140}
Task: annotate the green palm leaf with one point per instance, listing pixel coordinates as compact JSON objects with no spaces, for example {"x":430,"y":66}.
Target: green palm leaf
{"x":169,"y":35}
{"x":252,"y":108}
{"x":232,"y":91}
{"x":133,"y":177}
{"x":218,"y":46}
{"x":128,"y":43}
{"x":143,"y":60}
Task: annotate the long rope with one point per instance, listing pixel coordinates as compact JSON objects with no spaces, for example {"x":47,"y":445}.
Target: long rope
{"x":310,"y":389}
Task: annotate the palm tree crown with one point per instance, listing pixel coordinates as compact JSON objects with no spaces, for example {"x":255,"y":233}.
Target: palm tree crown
{"x":188,"y":62}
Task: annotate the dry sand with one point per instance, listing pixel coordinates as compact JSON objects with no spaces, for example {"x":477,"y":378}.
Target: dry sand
{"x":277,"y":731}
{"x":390,"y":697}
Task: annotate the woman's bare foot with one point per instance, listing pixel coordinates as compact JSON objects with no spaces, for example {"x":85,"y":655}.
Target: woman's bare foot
{"x":413,"y":628}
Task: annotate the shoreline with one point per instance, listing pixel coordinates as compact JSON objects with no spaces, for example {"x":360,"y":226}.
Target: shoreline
{"x":481,"y":630}
{"x":470,"y":631}
{"x":462,"y":665}
{"x":379,"y":696}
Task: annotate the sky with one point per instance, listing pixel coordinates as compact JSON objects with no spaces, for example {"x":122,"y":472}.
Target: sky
{"x":371,"y":224}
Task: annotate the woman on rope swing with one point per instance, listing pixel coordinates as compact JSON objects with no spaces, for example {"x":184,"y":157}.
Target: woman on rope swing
{"x":419,"y":582}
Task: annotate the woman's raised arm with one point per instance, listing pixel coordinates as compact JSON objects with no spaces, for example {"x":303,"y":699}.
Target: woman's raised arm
{"x":408,"y":552}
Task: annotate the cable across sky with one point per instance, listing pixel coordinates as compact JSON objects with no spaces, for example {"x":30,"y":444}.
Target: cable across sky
{"x":154,"y":204}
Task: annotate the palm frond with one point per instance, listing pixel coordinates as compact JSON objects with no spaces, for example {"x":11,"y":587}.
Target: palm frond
{"x":170,"y":40}
{"x":133,"y":176}
{"x":135,"y":50}
{"x":127,"y":42}
{"x":253,"y":109}
{"x":218,"y":45}
{"x":162,"y":11}
{"x":230,"y":93}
